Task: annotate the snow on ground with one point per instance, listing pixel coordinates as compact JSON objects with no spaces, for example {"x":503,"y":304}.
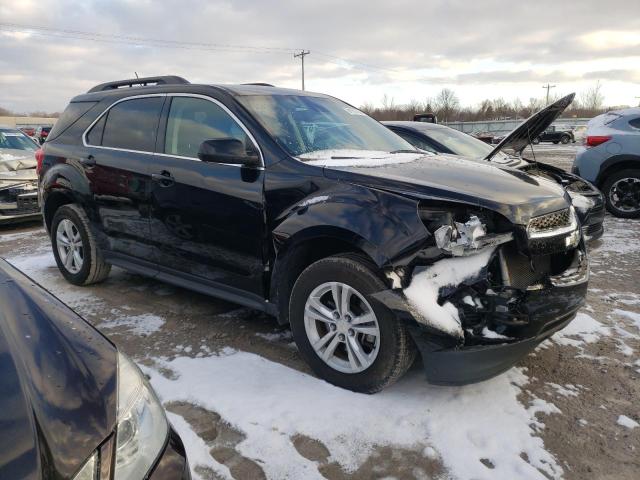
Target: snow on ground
{"x":583,"y":329}
{"x":145,"y":324}
{"x":625,"y":421}
{"x":270,"y":403}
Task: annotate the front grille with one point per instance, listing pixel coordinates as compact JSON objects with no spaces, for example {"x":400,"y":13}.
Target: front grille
{"x":550,"y":221}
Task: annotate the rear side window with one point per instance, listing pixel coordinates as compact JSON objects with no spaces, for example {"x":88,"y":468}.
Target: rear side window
{"x":132,"y":124}
{"x":193,"y":120}
{"x":635,"y":123}
{"x":71,"y":115}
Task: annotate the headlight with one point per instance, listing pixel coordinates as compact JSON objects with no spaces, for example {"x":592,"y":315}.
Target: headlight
{"x":142,"y":426}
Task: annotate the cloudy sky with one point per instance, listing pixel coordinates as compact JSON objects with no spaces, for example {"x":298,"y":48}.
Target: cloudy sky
{"x":51,"y":50}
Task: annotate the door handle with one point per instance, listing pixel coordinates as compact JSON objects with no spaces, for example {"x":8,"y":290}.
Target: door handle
{"x":88,"y":161}
{"x":165,"y":179}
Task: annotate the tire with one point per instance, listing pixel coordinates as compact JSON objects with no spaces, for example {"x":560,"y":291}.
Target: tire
{"x":565,"y":139}
{"x":93,"y":268}
{"x":395,"y":350}
{"x":536,"y":141}
{"x":609,"y":188}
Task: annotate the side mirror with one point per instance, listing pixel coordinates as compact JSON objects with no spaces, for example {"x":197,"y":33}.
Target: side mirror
{"x":227,"y":150}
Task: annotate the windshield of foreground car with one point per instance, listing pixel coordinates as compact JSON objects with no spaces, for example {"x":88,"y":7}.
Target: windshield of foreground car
{"x":305,"y":124}
{"x":16,"y":140}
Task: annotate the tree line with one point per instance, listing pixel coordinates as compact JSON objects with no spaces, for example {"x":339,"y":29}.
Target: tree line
{"x":8,"y":113}
{"x":446,"y":105}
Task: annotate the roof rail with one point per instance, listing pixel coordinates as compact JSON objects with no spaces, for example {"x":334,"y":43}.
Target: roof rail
{"x":139,"y":82}
{"x":259,"y":84}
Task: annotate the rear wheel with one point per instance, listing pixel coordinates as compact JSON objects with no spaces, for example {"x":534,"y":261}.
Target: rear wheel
{"x":347,"y":337}
{"x":78,"y":256}
{"x":622,"y":193}
{"x":565,"y":139}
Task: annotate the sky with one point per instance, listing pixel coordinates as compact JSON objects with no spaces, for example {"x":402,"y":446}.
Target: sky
{"x":360,"y":50}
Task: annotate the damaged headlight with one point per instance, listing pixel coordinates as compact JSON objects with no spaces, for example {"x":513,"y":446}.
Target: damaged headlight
{"x":460,"y":238}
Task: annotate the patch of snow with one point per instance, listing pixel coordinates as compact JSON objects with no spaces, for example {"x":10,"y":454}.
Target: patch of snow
{"x":567,"y":390}
{"x":359,"y":158}
{"x":314,"y":200}
{"x":580,"y":201}
{"x":270,"y":403}
{"x":635,"y":317}
{"x":145,"y":324}
{"x":422,"y":292}
{"x":583,"y":422}
{"x":625,"y":421}
{"x":276,"y":336}
{"x":486,"y":333}
{"x":583,"y":329}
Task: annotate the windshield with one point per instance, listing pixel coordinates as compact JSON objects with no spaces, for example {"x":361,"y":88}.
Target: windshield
{"x":460,"y":143}
{"x":304,"y":124}
{"x":16,"y":140}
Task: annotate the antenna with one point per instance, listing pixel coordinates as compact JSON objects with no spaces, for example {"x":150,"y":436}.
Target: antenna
{"x":301,"y":55}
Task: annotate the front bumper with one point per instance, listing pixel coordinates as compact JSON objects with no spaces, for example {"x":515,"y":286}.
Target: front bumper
{"x":23,"y":208}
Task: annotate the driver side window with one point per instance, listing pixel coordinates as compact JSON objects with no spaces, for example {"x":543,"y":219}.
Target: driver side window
{"x":191,"y":121}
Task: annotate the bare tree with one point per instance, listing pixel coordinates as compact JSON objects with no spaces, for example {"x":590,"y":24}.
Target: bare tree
{"x":446,"y":104}
{"x":592,"y":98}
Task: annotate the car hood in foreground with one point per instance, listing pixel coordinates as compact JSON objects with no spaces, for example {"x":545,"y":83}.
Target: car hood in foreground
{"x":16,"y":166}
{"x":58,"y":383}
{"x":519,"y":138}
{"x":515,"y":194}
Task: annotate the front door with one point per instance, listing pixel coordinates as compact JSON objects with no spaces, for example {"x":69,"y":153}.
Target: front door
{"x":117,"y":161}
{"x":207,"y":218}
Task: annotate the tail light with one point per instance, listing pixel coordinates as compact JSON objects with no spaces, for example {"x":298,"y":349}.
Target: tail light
{"x":39,"y":159}
{"x":595,"y":140}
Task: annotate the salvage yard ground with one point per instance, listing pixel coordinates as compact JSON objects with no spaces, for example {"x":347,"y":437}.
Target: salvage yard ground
{"x":247,"y":406}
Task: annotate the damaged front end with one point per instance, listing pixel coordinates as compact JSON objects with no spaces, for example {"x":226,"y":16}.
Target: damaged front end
{"x":483,"y":292}
{"x":18,"y":191}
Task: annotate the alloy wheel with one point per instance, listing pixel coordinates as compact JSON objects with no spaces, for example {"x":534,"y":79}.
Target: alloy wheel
{"x":625,"y":194}
{"x":342,"y":327}
{"x":70,"y":248}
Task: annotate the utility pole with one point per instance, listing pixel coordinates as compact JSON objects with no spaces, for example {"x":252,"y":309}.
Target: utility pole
{"x":301,"y":55}
{"x":638,"y":100}
{"x":548,"y":87}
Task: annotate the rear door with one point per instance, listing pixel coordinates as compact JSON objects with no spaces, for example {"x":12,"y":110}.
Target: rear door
{"x":119,"y":151}
{"x":208,"y":218}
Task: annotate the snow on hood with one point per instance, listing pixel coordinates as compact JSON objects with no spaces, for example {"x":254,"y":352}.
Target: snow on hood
{"x":16,"y":167}
{"x":358,"y":158}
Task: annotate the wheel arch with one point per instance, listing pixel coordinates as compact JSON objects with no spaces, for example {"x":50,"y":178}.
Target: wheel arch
{"x":614,"y":164}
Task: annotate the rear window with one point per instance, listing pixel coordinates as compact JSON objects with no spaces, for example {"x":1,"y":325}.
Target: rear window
{"x":71,"y":115}
{"x":635,"y":123}
{"x":133,"y":124}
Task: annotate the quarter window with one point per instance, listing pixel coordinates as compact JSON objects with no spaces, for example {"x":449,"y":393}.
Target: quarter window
{"x":193,"y":120}
{"x":635,"y":123}
{"x":131,"y":125}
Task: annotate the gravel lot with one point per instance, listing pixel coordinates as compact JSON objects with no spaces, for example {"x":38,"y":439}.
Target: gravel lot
{"x":247,"y":407}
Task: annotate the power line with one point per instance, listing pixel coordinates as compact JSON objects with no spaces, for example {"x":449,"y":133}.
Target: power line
{"x":301,"y":56}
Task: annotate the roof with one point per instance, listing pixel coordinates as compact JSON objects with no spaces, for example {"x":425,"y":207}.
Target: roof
{"x":418,"y":126}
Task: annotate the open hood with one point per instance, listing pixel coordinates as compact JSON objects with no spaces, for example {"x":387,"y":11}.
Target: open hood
{"x":519,"y":138}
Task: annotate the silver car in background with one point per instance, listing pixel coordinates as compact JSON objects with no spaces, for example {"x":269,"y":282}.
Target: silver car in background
{"x":610,"y":159}
{"x":18,"y":177}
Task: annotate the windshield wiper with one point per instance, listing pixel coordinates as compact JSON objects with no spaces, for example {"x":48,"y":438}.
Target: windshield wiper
{"x":405,"y":151}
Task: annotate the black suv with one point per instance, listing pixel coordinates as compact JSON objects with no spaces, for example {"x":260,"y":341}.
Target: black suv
{"x":301,"y":206}
{"x":554,"y":135}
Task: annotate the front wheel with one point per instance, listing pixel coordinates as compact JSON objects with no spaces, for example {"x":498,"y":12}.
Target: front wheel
{"x":346,"y":336}
{"x":622,"y":193}
{"x":74,"y":247}
{"x":535,"y":141}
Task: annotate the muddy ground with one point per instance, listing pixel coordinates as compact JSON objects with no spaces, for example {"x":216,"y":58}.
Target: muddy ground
{"x":592,"y":378}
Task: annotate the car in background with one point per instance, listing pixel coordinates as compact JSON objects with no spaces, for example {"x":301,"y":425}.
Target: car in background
{"x":41,"y":134}
{"x":586,"y":198}
{"x":30,"y":131}
{"x":554,"y":135}
{"x":18,"y":177}
{"x":73,"y":406}
{"x":610,"y":158}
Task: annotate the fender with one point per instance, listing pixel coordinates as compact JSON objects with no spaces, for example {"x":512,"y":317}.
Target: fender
{"x":383,"y":225}
{"x":630,"y":161}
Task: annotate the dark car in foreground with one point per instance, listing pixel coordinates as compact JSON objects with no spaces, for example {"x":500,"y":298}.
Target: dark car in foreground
{"x":586,"y":198}
{"x":18,"y":178}
{"x":73,"y":407}
{"x":302,"y":206}
{"x":610,"y":159}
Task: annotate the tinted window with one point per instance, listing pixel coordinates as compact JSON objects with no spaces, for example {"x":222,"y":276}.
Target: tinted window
{"x":133,"y":124}
{"x":94,"y":137}
{"x":193,"y":120}
{"x":635,"y":123}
